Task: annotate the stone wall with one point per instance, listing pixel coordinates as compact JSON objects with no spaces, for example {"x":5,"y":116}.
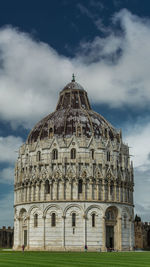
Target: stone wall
{"x":6,"y":237}
{"x":64,"y":235}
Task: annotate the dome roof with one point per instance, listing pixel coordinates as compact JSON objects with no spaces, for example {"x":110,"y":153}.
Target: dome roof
{"x":73,"y":116}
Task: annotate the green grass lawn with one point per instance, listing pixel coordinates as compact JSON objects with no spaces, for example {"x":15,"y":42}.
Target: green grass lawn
{"x":68,"y":259}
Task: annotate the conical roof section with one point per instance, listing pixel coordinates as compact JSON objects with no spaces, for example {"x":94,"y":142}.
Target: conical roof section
{"x":73,"y":116}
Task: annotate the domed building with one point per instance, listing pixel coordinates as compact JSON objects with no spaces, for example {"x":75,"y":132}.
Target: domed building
{"x":74,"y":181}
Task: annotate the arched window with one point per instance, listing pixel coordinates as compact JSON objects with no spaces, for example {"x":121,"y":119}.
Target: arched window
{"x":120,"y":158}
{"x":73,"y":153}
{"x":93,"y":220}
{"x":38,"y":156}
{"x":73,"y":219}
{"x":92,"y":153}
{"x":80,"y":186}
{"x":108,"y":156}
{"x":47,"y":187}
{"x":53,"y":221}
{"x":55,"y":154}
{"x":125,"y":221}
{"x":105,"y":133}
{"x":51,"y":132}
{"x":111,"y":188}
{"x":78,"y":131}
{"x":110,"y":215}
{"x":36,"y":220}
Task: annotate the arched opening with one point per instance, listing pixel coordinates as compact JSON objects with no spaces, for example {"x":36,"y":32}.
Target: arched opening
{"x":55,"y":154}
{"x":80,"y":186}
{"x":51,"y":132}
{"x":73,"y":153}
{"x":47,"y":187}
{"x":93,"y":220}
{"x":125,"y":221}
{"x":73,"y":219}
{"x":108,"y":155}
{"x":38,"y":156}
{"x":111,"y":222}
{"x":111,"y":190}
{"x":78,"y":131}
{"x":92,"y":153}
{"x":53,"y":221}
{"x":36,"y":220}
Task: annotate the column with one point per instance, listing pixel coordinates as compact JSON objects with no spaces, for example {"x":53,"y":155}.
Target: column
{"x":28,"y":232}
{"x":84,"y":190}
{"x":91,"y":189}
{"x":25,"y":193}
{"x":104,"y":235}
{"x":119,"y":189}
{"x":123,"y":193}
{"x":44,"y":217}
{"x":63,"y":189}
{"x":97,"y":190}
{"x":130,"y":232}
{"x":85,"y":229}
{"x":115,"y":192}
{"x":70,"y":186}
{"x":55,"y":190}
{"x":120,"y":233}
{"x":109,"y":191}
{"x":63,"y":233}
{"x":32,"y":193}
{"x":29,"y":193}
{"x":38,"y":191}
{"x":77,"y":190}
{"x":51,"y":189}
{"x":103,"y":186}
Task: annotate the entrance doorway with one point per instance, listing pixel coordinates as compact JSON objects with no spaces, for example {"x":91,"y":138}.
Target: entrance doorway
{"x":25,"y":238}
{"x":111,"y":228}
{"x":110,"y":237}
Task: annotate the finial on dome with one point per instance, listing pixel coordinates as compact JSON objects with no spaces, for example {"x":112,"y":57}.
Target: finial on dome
{"x":73,"y":77}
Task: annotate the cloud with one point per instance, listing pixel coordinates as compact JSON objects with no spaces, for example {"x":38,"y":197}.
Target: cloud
{"x":9,"y":148}
{"x":113,"y":69}
{"x":138,"y":140}
{"x":137,"y":137}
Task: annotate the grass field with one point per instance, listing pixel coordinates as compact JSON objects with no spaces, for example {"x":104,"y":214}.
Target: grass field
{"x":68,"y":259}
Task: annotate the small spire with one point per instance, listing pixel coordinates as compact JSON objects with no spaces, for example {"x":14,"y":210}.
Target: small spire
{"x":73,"y":77}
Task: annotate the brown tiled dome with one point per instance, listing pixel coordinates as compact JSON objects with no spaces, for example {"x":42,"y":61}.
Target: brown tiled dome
{"x":73,"y":116}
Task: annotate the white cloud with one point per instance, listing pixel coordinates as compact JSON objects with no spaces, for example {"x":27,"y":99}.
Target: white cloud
{"x":138,"y":141}
{"x":9,"y":148}
{"x":137,"y":137}
{"x":32,"y":73}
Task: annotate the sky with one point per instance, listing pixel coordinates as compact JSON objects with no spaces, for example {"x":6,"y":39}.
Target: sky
{"x":106,"y":43}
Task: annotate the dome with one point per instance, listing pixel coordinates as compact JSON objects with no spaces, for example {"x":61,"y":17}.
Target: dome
{"x":73,"y":116}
